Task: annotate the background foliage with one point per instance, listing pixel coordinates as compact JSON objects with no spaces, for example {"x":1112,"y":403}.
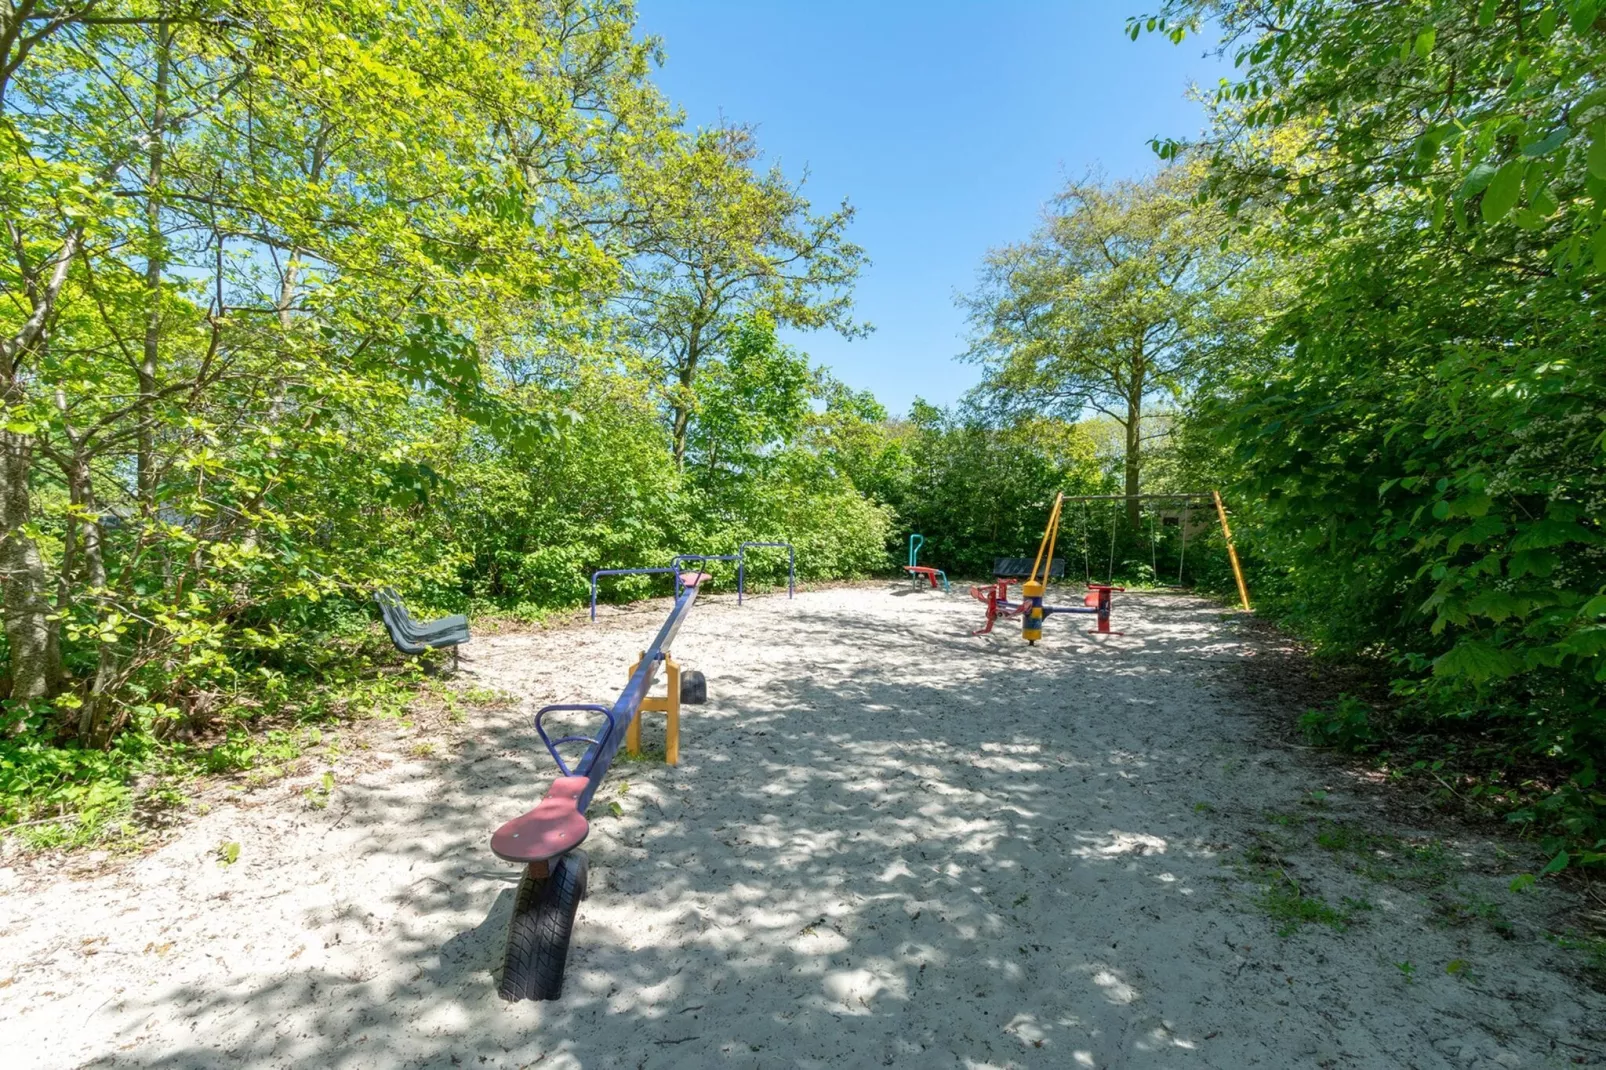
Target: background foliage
{"x":1420,"y":430}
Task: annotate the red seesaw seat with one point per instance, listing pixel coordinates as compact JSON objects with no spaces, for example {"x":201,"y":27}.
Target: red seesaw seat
{"x":922,"y":570}
{"x":554,"y":827}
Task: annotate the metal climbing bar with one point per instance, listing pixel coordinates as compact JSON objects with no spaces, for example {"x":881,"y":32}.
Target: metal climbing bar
{"x":700,"y":559}
{"x":741,"y":567}
{"x":625,"y":572}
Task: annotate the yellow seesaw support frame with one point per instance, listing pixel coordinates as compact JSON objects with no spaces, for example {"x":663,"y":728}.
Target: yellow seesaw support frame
{"x":668,"y":703}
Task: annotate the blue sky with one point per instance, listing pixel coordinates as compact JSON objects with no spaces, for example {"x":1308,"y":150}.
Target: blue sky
{"x":947,"y":125}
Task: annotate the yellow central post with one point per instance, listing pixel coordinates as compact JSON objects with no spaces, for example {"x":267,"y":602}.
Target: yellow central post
{"x":668,"y":703}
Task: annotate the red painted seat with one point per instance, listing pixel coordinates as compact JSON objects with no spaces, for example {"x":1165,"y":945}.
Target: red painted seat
{"x":922,"y":570}
{"x":554,"y":827}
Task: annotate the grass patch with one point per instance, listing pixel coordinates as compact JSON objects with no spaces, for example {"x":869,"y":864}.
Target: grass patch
{"x":1592,"y":954}
{"x":1381,"y":857}
{"x":67,"y":797}
{"x":1286,"y":903}
{"x":1453,"y":910}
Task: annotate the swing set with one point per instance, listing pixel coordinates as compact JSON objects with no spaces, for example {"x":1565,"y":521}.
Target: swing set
{"x":1184,"y":504}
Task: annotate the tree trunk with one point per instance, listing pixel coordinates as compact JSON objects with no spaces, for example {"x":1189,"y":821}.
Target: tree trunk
{"x":155,"y":263}
{"x":29,"y":630}
{"x":93,"y":726}
{"x":1134,"y":458}
{"x":684,"y":399}
{"x":1136,"y":387}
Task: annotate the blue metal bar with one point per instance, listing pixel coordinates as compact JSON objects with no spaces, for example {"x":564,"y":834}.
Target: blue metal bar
{"x":625,"y":572}
{"x":741,"y":567}
{"x":594,"y":763}
{"x":1047,"y":610}
{"x":553,"y":745}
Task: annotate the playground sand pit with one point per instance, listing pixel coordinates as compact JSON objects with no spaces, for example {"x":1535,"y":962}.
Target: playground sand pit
{"x":888,"y":843}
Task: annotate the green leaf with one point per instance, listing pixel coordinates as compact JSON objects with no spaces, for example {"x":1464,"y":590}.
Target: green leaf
{"x":1486,"y":13}
{"x":1539,"y":563}
{"x":1479,"y":531}
{"x":1477,"y":661}
{"x":1498,"y":605}
{"x":1588,"y":103}
{"x":1503,"y":192}
{"x":1471,"y":505}
{"x":1545,"y":533}
{"x":1424,"y":42}
{"x":1583,"y":15}
{"x":1477,"y":180}
{"x":1555,"y":140}
{"x":1596,"y":159}
{"x":1587,"y":642}
{"x":1557,"y":864}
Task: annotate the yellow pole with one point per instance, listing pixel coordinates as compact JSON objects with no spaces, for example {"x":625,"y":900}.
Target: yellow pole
{"x":1048,"y":561}
{"x":1232,"y":552}
{"x":633,"y":733}
{"x":672,"y":708}
{"x":1048,"y":538}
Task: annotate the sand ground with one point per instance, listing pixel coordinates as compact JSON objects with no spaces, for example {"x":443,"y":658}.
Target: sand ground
{"x":888,"y":844}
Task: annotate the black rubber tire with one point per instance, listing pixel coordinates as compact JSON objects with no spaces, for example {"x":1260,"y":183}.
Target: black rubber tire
{"x":693,"y":688}
{"x":538,"y":935}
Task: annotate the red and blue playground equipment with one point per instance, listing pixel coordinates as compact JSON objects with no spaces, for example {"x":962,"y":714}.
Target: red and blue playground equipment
{"x":545,"y":840}
{"x":923,"y":572}
{"x":1031,"y":608}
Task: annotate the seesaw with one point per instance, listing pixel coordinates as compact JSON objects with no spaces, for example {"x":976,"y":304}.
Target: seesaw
{"x":546,"y":839}
{"x":1031,"y":608}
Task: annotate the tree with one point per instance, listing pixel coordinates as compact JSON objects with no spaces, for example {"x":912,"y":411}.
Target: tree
{"x":977,"y":490}
{"x":1487,"y":117}
{"x":246,"y":244}
{"x":1416,"y":436}
{"x":1103,"y":308}
{"x":722,"y":242}
{"x":753,"y":401}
